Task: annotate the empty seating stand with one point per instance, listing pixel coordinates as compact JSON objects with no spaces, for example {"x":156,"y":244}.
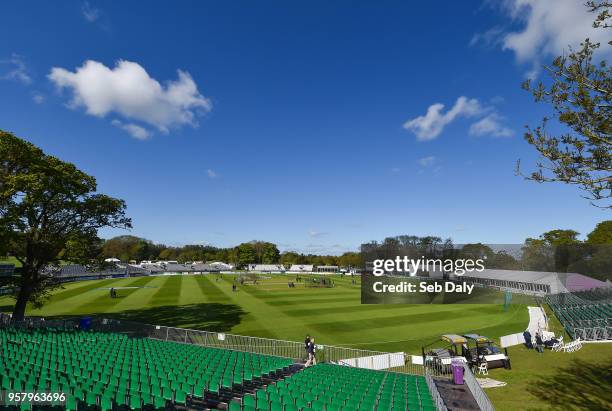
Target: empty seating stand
{"x":585,"y":310}
{"x":327,"y":387}
{"x":112,"y":371}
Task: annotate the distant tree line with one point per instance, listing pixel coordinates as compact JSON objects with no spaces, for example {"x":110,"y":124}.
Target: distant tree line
{"x":128,"y":248}
{"x":562,"y":251}
{"x":553,"y":251}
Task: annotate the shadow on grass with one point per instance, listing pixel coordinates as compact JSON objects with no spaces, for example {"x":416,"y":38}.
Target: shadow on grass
{"x":6,"y":308}
{"x":205,"y":316}
{"x":580,"y":386}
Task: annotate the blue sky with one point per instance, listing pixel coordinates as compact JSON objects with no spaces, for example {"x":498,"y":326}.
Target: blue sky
{"x":311,"y":125}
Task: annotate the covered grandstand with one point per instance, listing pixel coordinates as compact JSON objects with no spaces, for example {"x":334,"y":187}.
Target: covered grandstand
{"x":328,"y":269}
{"x":300,"y":268}
{"x":7,"y":270}
{"x":78,"y":272}
{"x":267,"y":268}
{"x":528,"y":282}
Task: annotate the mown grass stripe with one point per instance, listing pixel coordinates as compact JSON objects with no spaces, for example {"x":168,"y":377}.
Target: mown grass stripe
{"x":103,"y":302}
{"x":212,"y":290}
{"x":169,"y":291}
{"x":76,"y":289}
{"x":133,"y":298}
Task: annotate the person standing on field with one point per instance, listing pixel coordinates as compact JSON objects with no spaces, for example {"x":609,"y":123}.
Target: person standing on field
{"x":311,"y":353}
{"x":306,"y":344}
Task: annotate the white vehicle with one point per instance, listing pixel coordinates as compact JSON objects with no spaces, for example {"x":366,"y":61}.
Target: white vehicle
{"x":485,"y":350}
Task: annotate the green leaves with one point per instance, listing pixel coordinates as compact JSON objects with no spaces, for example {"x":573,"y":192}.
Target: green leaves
{"x":46,"y":207}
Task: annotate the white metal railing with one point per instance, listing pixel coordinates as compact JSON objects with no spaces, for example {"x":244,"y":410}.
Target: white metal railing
{"x":592,"y":333}
{"x":435,"y":394}
{"x":483,"y":401}
{"x":359,"y":358}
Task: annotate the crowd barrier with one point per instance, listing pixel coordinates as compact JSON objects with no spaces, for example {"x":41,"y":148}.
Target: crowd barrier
{"x":592,"y":333}
{"x":483,"y":401}
{"x":435,"y":394}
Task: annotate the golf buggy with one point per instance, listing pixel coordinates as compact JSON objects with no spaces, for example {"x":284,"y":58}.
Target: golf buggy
{"x":439,"y":359}
{"x":481,"y":349}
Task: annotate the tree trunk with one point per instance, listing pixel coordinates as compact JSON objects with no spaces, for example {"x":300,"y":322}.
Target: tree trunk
{"x":20,"y":305}
{"x":24,"y":293}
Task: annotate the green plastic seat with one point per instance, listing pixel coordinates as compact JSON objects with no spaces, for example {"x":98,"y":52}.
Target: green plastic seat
{"x":135,"y":402}
{"x":106,"y":403}
{"x":159,"y":402}
{"x":180,"y":397}
{"x":167,"y":393}
{"x":71,"y":404}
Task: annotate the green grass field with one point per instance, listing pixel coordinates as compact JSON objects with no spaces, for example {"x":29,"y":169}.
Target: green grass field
{"x":335,"y":316}
{"x":10,"y":260}
{"x":270,"y":309}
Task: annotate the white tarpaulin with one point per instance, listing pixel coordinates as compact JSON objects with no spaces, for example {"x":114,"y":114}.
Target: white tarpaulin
{"x":512,"y":339}
{"x":537,"y":320}
{"x":376,"y":362}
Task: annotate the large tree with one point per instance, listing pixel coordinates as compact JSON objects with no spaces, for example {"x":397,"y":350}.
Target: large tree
{"x":49,"y":210}
{"x":270,"y":254}
{"x":602,"y":234}
{"x":245,"y":254}
{"x":580,"y":93}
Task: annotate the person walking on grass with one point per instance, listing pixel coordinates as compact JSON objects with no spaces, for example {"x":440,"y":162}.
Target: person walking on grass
{"x":306,"y":344}
{"x":311,"y":353}
{"x":539,"y":343}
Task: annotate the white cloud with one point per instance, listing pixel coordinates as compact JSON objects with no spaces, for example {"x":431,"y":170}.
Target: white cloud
{"x":14,"y":69}
{"x":548,"y":28}
{"x":128,"y":91}
{"x":490,"y":126}
{"x":211,"y":173}
{"x":429,"y":126}
{"x":315,"y":233}
{"x":325,"y":249}
{"x":427,"y":161}
{"x":38,"y":98}
{"x":489,"y":38}
{"x":90,"y":13}
{"x":134,"y":130}
{"x":497,"y":100}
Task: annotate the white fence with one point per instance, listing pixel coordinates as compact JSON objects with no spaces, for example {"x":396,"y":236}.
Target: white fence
{"x":592,"y":333}
{"x":483,"y":401}
{"x":377,"y":362}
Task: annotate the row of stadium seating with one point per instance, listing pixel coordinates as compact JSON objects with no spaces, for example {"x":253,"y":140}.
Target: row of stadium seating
{"x":585,"y":309}
{"x":333,"y":388}
{"x":581,"y":298}
{"x":109,"y":370}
